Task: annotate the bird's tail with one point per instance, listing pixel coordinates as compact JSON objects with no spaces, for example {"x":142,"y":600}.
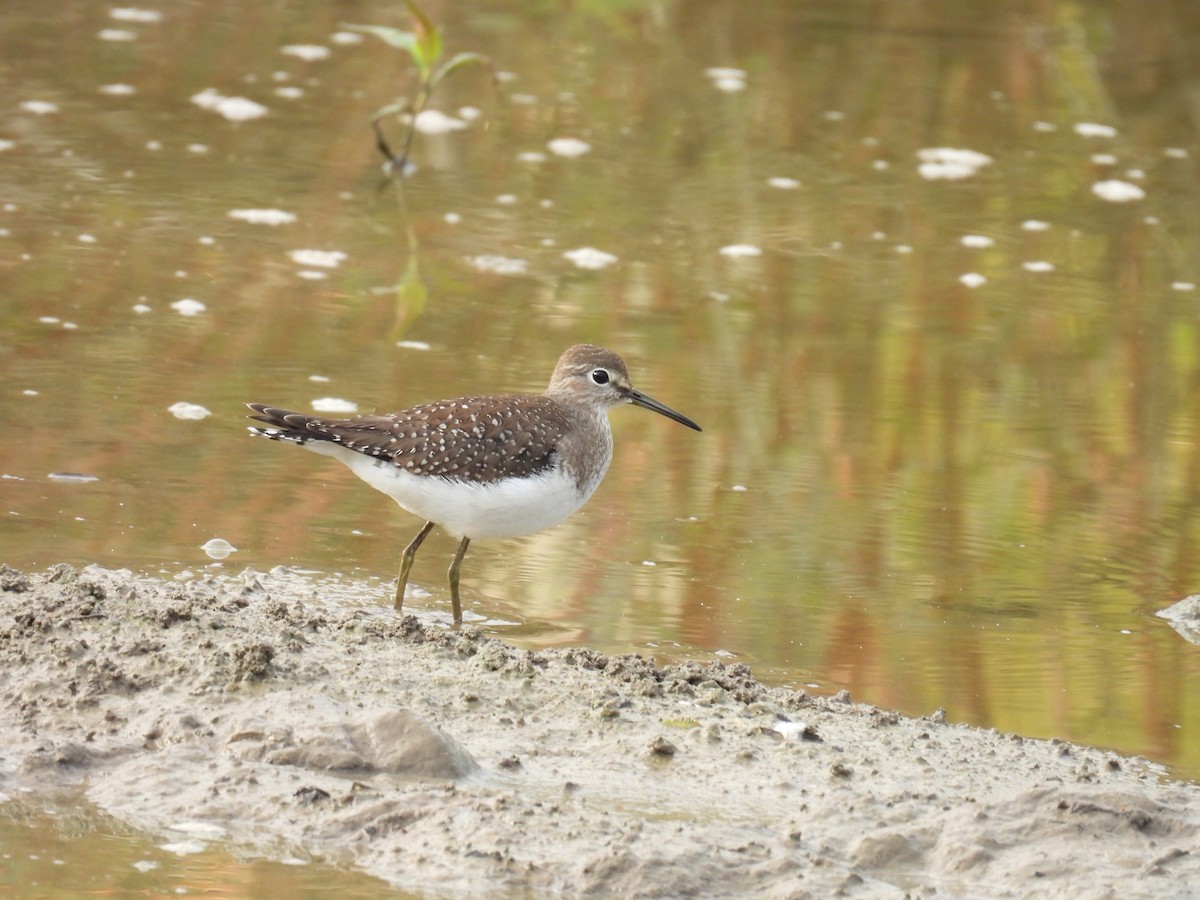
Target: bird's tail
{"x":285,"y":425}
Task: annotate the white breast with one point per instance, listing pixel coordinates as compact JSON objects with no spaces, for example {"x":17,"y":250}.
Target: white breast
{"x":506,"y":508}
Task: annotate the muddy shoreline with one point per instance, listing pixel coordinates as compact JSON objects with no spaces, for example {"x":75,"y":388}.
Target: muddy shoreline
{"x":251,"y":709}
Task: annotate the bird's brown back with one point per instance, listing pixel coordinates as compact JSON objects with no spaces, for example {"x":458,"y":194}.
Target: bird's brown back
{"x":482,"y":439}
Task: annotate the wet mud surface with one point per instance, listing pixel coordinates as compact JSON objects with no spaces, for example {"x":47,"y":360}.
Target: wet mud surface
{"x":449,"y":762}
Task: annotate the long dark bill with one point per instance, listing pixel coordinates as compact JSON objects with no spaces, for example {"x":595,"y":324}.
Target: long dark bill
{"x":637,"y":398}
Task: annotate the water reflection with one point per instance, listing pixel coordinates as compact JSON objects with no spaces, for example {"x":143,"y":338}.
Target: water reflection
{"x":950,"y":451}
{"x":72,"y":851}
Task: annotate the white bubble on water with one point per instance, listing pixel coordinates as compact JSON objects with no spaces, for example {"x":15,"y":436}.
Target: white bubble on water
{"x":324,"y":259}
{"x":306,"y":52}
{"x":1116,"y":191}
{"x":499,"y":265}
{"x":568,"y":147}
{"x":1095,"y":130}
{"x":334,"y":405}
{"x":727,"y":79}
{"x":188,"y":307}
{"x":434,"y":121}
{"x":39,"y":107}
{"x":73,"y":477}
{"x":235,"y":109}
{"x":217,"y":548}
{"x":950,"y":163}
{"x":263,"y":216}
{"x":976,"y":241}
{"x":188,"y":411}
{"x":134,"y":14}
{"x":740,"y":251}
{"x":590,"y":258}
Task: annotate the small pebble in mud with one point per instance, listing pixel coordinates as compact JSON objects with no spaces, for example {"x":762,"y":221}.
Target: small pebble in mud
{"x":660,"y":746}
{"x":253,"y":661}
{"x":840,"y":770}
{"x":509,"y":762}
{"x":307,"y":796}
{"x":610,"y":710}
{"x":12,"y":580}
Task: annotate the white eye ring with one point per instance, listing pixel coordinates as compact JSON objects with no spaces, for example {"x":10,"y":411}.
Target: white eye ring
{"x":601,"y":376}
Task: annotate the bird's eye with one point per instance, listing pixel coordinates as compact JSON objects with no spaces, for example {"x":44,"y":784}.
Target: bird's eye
{"x":600,"y":376}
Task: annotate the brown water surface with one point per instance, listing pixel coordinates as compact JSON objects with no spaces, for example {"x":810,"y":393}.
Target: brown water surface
{"x":71,"y":853}
{"x":950,"y":455}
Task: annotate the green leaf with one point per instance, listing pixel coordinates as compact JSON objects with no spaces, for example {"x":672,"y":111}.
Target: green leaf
{"x":428,"y":37}
{"x":411,"y":296}
{"x":400,"y":106}
{"x":457,"y":61}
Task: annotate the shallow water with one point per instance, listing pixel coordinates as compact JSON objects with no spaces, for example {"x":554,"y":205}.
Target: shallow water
{"x":54,"y":852}
{"x":950,"y":404}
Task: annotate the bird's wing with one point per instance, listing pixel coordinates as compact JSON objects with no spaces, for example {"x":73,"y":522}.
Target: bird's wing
{"x":482,"y":439}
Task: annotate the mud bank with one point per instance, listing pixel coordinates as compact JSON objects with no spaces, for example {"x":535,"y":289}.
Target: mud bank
{"x":250,"y":709}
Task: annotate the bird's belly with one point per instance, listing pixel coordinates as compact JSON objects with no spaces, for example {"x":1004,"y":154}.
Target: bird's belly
{"x":506,"y":508}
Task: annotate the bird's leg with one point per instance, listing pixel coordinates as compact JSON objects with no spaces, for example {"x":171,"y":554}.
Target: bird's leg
{"x":410,"y":553}
{"x":454,"y":567}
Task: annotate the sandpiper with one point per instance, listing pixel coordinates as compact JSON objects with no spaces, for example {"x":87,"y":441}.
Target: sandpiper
{"x":482,"y":467}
